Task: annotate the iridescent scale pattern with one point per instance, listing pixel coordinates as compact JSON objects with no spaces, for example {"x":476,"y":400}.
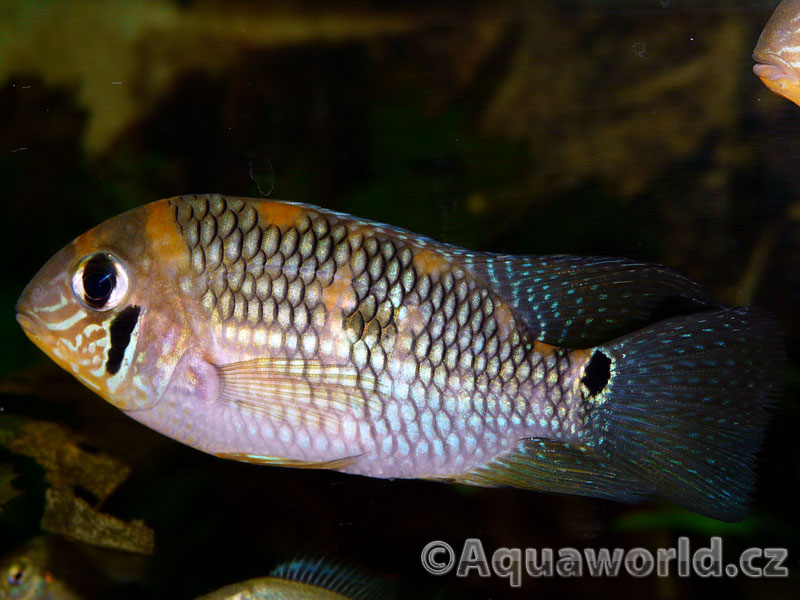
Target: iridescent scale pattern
{"x":450,"y":375}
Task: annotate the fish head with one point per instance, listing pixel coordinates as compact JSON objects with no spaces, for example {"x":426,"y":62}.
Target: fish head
{"x":101,"y":309}
{"x":777,"y":52}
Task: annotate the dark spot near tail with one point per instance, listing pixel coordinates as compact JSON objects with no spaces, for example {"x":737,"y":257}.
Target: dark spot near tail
{"x":597,"y":373}
{"x":121,"y":329}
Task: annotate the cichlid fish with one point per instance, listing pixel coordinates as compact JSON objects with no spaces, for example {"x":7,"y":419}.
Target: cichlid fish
{"x":778,"y":52}
{"x":308,"y":580}
{"x":286,"y":334}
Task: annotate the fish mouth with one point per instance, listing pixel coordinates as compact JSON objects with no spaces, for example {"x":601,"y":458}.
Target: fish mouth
{"x":34,"y":329}
{"x":769,"y":58}
{"x":36,"y":332}
{"x":26,"y":321}
{"x":31,"y":326}
{"x":773,"y":67}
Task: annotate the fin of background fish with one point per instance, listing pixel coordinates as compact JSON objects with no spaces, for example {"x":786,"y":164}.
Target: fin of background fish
{"x":342,"y":579}
{"x":662,"y":426}
{"x":314,"y":579}
{"x":282,"y":388}
{"x":577,"y":301}
{"x":277,"y":461}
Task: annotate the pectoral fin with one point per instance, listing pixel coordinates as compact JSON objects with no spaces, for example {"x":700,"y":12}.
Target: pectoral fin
{"x":297,"y":390}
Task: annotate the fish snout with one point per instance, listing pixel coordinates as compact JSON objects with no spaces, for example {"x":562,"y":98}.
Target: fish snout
{"x":48,"y":311}
{"x":23,"y":318}
{"x":28,"y":322}
{"x":32,"y":299}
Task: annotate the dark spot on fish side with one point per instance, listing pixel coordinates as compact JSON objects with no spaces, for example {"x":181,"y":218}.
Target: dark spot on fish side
{"x":597,"y":373}
{"x":121,"y":329}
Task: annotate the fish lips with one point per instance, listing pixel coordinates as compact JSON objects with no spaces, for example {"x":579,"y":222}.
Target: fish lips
{"x":772,"y":67}
{"x":31,"y":325}
{"x":45,"y":296}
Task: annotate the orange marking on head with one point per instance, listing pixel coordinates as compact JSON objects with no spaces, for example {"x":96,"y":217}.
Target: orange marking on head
{"x":279,"y":214}
{"x":430,"y":263}
{"x":87,"y":243}
{"x":164,"y":234}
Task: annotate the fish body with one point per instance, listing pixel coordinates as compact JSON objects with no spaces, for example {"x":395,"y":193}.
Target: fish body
{"x":778,"y":51}
{"x":308,"y":580}
{"x":282,"y":333}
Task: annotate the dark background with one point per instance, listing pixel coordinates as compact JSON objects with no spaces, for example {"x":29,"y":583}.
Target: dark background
{"x":613,"y":127}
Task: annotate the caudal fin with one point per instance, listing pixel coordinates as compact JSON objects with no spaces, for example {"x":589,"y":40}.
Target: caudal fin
{"x":682,"y":405}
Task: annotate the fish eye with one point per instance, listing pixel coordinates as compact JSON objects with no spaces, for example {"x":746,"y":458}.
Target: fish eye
{"x":100,"y":281}
{"x":17,"y":574}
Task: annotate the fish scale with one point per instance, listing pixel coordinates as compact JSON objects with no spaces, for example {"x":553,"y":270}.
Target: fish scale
{"x":286,"y":334}
{"x":433,"y":412}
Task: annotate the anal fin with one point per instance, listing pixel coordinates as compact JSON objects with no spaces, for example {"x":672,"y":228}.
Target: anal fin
{"x":278,"y":461}
{"x":559,"y":468}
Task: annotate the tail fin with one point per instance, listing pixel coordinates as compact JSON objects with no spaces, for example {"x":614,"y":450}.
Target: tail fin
{"x":682,"y":405}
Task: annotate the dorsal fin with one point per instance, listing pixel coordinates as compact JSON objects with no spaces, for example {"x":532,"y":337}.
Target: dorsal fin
{"x":581,"y":301}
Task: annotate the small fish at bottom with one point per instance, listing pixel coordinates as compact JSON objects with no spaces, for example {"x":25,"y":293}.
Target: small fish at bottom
{"x":286,"y":334}
{"x":308,"y":580}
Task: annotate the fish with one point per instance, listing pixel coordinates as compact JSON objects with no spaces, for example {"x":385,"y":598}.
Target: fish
{"x":27,"y":574}
{"x":310,"y":579}
{"x":285,"y":334}
{"x":777,"y":52}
